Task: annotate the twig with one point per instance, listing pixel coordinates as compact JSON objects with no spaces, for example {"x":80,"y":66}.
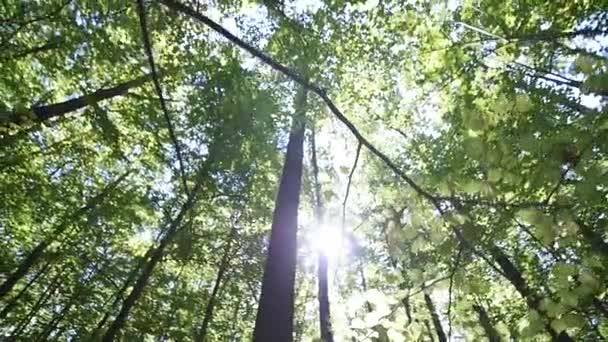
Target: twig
{"x":481,"y":31}
{"x":422,"y":288}
{"x":454,"y":269}
{"x":148,"y":47}
{"x":542,"y":245}
{"x":350,"y":179}
{"x":562,"y":178}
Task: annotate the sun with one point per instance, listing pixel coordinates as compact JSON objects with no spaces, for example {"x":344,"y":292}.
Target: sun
{"x":328,"y":240}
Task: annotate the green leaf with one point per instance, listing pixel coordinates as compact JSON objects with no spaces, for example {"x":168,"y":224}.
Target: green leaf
{"x":523,"y":103}
{"x":559,"y":325}
{"x":494,"y":175}
{"x":585,"y":64}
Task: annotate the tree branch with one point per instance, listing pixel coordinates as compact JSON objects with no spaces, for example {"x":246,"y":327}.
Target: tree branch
{"x":350,"y":179}
{"x":454,"y":269}
{"x":148,"y":47}
{"x":175,"y":5}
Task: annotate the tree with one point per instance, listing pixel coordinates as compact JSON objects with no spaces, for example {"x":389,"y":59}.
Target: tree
{"x":274,"y":320}
{"x":324,"y":312}
{"x":151,"y":170}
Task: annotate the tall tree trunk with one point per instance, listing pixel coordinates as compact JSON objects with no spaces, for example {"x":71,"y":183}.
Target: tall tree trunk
{"x":435,"y":318}
{"x":486,"y":324}
{"x":155,"y":256}
{"x":34,"y":256}
{"x":274,"y":321}
{"x":368,"y":305}
{"x":201,"y":335}
{"x":43,"y":113}
{"x":324,"y":312}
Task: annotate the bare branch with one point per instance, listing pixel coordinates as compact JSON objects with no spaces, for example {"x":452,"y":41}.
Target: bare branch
{"x":454,"y":269}
{"x":148,"y":47}
{"x":350,"y":179}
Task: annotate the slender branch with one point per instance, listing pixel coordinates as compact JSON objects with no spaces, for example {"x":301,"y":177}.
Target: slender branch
{"x":482,"y":31}
{"x":536,"y":70}
{"x":454,"y":269}
{"x":148,"y":47}
{"x":53,"y":44}
{"x":421,"y":289}
{"x":350,"y":179}
{"x":561,"y":180}
{"x":538,"y":36}
{"x":175,"y":5}
{"x":542,"y":245}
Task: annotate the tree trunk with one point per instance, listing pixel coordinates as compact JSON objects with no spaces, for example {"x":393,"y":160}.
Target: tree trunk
{"x":435,"y":318}
{"x":324,"y":312}
{"x":368,"y":305}
{"x":155,"y":256}
{"x":37,"y":253}
{"x":202,"y":333}
{"x":274,"y":321}
{"x":486,"y":324}
{"x":43,"y":113}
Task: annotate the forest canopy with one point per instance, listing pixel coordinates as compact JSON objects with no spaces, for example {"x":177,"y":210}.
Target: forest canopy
{"x":305,"y":170}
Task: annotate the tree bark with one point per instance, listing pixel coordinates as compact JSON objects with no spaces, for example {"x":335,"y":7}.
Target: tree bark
{"x":486,"y":324}
{"x":435,"y":318}
{"x":274,"y":321}
{"x":202,"y":332}
{"x":155,"y":256}
{"x":43,"y":113}
{"x":37,"y":253}
{"x":324,"y":312}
